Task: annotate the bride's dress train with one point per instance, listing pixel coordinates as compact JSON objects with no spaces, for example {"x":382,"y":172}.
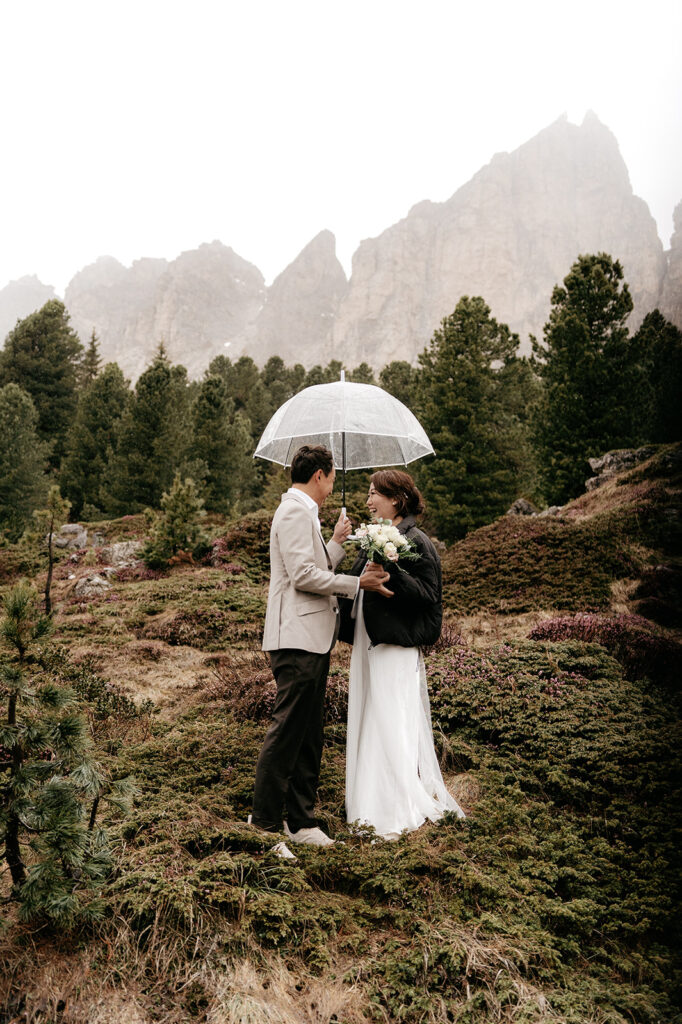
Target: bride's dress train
{"x":393,"y":779}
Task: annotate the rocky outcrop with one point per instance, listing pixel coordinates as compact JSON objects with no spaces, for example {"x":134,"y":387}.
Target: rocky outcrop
{"x":19,"y":298}
{"x":197,"y":305}
{"x":510,"y":235}
{"x":609,"y":465}
{"x":671,"y":293}
{"x":297,"y":319}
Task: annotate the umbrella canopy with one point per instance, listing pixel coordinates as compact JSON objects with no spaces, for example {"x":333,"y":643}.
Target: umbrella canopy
{"x":361,"y":424}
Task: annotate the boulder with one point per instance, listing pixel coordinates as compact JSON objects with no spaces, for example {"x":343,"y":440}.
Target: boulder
{"x":89,"y":586}
{"x":609,"y":465}
{"x":521,"y":507}
{"x":71,"y":536}
{"x":122,"y":554}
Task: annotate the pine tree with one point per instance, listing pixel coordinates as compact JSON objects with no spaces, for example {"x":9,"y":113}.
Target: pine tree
{"x":178,"y":526}
{"x":93,"y":435}
{"x":23,"y":460}
{"x":281,"y":382}
{"x":50,"y":785}
{"x":212,"y":441}
{"x":657,"y":400}
{"x":90,"y":363}
{"x":362,"y":374}
{"x":152,"y":439}
{"x":42,"y":355}
{"x":246,"y":389}
{"x":588,"y":371}
{"x":324,"y":375}
{"x":399,"y":379}
{"x":462,"y":405}
{"x":49,"y":521}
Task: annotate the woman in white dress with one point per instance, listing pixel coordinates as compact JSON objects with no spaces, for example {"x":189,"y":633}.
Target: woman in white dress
{"x":393,"y":779}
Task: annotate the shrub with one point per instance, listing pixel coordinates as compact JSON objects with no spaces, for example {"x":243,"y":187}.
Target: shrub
{"x":642,"y":649}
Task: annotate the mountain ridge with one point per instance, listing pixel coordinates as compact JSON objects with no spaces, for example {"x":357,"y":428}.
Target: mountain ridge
{"x":510,"y":234}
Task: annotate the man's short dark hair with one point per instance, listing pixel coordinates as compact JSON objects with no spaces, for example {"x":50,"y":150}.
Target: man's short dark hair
{"x":308,"y":460}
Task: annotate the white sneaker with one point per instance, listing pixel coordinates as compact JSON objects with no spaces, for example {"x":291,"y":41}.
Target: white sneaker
{"x":279,"y":849}
{"x":283,"y":851}
{"x":309,"y":836}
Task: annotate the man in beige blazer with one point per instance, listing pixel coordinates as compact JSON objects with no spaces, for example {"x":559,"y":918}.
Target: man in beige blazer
{"x":301,"y":627}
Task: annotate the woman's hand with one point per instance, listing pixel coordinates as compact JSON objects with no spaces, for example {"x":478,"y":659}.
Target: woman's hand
{"x":342,"y":530}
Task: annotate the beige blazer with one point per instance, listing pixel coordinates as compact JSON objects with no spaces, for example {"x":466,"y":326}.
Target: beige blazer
{"x":302,"y":610}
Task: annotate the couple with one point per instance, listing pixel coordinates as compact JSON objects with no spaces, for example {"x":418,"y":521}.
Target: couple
{"x":393,"y":781}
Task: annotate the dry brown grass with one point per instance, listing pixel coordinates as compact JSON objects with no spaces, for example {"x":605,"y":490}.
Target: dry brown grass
{"x":149,"y":670}
{"x":481,"y":629}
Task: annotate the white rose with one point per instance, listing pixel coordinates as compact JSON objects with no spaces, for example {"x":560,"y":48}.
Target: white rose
{"x":380,"y":540}
{"x":390,"y":549}
{"x":361,"y":531}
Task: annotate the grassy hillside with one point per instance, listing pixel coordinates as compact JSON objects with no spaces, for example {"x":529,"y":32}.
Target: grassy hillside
{"x":554,"y":901}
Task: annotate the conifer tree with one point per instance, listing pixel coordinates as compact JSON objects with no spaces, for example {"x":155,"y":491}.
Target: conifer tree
{"x":42,"y":355}
{"x":23,"y":460}
{"x":246,"y":389}
{"x":588,"y":371}
{"x":362,"y":374}
{"x":48,"y":521}
{"x":281,"y":382}
{"x":324,"y":375}
{"x":151,"y":440}
{"x":91,"y":362}
{"x":398,"y":378}
{"x":50,"y":785}
{"x":178,"y":526}
{"x":461,"y":402}
{"x":657,"y":400}
{"x":93,"y":436}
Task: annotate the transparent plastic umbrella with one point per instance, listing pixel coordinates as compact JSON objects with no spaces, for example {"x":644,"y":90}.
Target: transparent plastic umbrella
{"x":361,"y":424}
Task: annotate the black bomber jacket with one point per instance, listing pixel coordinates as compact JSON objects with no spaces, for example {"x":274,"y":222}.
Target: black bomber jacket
{"x":413,"y":616}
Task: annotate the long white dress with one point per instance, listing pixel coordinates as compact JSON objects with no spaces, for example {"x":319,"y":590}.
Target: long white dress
{"x":393,"y":779}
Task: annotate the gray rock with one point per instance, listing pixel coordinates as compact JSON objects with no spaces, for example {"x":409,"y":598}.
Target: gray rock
{"x":90,"y":586}
{"x":553,"y":510}
{"x":609,"y":465}
{"x":521,"y":507}
{"x":123,"y":553}
{"x":71,"y":536}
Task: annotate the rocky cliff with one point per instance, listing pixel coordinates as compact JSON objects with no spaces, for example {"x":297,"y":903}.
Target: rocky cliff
{"x":297,"y":319}
{"x":670,"y":303}
{"x":197,"y":305}
{"x":19,"y":298}
{"x":510,"y":234}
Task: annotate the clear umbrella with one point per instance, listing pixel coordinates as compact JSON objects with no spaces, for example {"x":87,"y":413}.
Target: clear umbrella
{"x":361,"y":424}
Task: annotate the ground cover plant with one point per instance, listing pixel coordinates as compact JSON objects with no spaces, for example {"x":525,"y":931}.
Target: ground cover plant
{"x":571,"y":560}
{"x":555,"y":900}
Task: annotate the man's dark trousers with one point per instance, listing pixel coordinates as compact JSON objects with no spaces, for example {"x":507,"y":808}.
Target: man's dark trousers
{"x":288,"y":768}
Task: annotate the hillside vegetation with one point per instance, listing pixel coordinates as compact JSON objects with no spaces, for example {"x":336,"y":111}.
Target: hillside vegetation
{"x":556,"y":711}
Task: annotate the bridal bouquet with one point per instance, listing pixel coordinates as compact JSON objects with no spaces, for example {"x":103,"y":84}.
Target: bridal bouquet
{"x":383,"y":542}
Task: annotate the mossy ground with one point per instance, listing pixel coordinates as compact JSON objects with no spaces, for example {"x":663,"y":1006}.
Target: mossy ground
{"x":554,"y":901}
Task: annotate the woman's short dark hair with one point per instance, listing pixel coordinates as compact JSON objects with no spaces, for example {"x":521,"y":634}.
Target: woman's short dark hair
{"x":308,"y":460}
{"x":393,"y":483}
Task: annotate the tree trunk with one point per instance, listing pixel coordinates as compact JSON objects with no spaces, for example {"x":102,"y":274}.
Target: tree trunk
{"x":48,"y":582}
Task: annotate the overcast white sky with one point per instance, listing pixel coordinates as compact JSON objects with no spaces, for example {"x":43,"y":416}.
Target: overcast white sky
{"x":145,"y":127}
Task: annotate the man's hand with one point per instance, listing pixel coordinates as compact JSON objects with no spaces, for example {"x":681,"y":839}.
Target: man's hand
{"x":342,"y":530}
{"x":373,"y":578}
